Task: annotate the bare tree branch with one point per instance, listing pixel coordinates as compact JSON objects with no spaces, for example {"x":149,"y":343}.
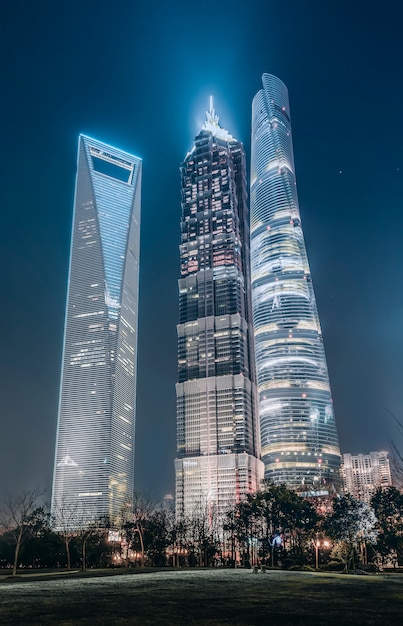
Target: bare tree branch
{"x":20,"y":516}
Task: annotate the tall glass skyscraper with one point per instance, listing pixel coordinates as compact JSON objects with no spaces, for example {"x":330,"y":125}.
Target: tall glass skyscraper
{"x":298,"y":431}
{"x":217,"y":435}
{"x":93,"y":473}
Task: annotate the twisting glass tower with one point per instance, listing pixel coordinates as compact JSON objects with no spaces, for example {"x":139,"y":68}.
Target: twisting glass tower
{"x":298,"y":431}
{"x":217,"y":440}
{"x":93,"y":474}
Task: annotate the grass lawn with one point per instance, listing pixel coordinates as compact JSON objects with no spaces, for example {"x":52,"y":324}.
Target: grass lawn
{"x":203,"y":597}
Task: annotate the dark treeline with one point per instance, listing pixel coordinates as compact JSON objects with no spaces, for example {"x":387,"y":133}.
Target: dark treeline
{"x":272,"y":528}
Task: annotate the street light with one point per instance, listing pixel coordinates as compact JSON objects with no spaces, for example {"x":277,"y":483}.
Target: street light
{"x":317,"y":544}
{"x":325,"y":544}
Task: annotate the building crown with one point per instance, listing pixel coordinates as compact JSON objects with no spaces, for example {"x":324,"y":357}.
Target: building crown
{"x":212,"y":126}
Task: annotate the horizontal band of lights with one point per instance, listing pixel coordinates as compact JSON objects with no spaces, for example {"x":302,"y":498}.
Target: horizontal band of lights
{"x":217,"y":441}
{"x":297,"y":426}
{"x":94,"y":460}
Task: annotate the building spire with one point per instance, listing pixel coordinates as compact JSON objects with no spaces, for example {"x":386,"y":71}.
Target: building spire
{"x":212,"y":126}
{"x":211,"y":118}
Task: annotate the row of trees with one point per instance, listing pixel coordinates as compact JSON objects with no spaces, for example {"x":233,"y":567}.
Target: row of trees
{"x":276,"y":524}
{"x":272,"y":527}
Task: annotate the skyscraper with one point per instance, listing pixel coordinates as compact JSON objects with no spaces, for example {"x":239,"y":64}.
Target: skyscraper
{"x":217,"y":436}
{"x":298,"y":430}
{"x":93,"y":473}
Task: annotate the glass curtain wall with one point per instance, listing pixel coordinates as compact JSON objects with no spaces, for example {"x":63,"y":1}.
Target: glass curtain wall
{"x":217,"y":439}
{"x":93,"y":473}
{"x":298,"y":430}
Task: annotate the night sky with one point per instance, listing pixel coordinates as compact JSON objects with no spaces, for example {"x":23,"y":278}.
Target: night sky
{"x":138,"y":75}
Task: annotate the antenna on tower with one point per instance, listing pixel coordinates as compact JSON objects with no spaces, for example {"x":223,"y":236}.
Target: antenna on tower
{"x":212,"y":126}
{"x":212,"y":118}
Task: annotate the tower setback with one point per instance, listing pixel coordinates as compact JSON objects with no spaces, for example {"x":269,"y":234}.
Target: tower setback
{"x":217,"y":436}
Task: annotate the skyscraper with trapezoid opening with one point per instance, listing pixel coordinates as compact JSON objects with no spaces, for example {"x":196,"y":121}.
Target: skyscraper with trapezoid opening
{"x":94,"y":461}
{"x":217,"y":433}
{"x":298,"y":431}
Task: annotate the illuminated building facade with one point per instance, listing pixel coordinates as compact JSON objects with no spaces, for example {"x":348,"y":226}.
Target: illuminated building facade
{"x":363,"y":473}
{"x":217,"y":435}
{"x":297,"y":425}
{"x":93,"y":472}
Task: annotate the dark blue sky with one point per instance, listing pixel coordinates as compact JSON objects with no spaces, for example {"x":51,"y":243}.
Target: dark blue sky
{"x":138,"y":75}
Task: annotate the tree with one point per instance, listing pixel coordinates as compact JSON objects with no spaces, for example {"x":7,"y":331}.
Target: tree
{"x":266,"y":519}
{"x":6,"y":549}
{"x":388,"y":507}
{"x":63,"y":521}
{"x":21,"y":517}
{"x":90,"y":531}
{"x":179,"y":543}
{"x":283,"y":511}
{"x":240,"y":526}
{"x":133,"y":519}
{"x":157,"y":532}
{"x":231,"y":532}
{"x":351,"y":524}
{"x":203,"y":532}
{"x":43,"y":548}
